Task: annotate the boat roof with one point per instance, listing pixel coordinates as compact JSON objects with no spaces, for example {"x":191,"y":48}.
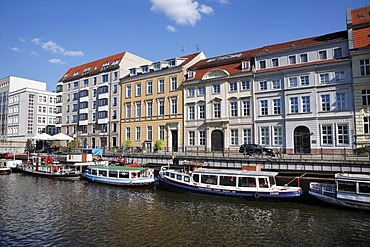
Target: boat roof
{"x":234,"y":172}
{"x":352,"y":176}
{"x":119,"y":168}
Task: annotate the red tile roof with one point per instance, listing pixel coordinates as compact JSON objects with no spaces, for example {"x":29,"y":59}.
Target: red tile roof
{"x":361,"y":27}
{"x":361,"y":15}
{"x":95,"y":67}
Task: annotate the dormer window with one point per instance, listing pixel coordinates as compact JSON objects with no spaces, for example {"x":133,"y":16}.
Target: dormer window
{"x":361,"y":15}
{"x":133,"y":71}
{"x":105,"y":66}
{"x":338,"y":52}
{"x":245,"y":65}
{"x":191,"y":74}
{"x":275,"y":62}
{"x":145,"y":68}
{"x":157,"y":66}
{"x":263,"y":64}
{"x":172,"y":63}
{"x":86,"y":71}
{"x":65,"y":76}
{"x":292,"y":59}
{"x":76,"y":73}
{"x":323,"y":55}
{"x":115,"y":62}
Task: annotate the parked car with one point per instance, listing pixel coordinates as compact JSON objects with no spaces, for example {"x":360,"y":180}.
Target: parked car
{"x":256,"y":150}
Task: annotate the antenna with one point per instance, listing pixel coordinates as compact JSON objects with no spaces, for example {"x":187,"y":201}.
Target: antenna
{"x":183,"y":49}
{"x":197,"y":46}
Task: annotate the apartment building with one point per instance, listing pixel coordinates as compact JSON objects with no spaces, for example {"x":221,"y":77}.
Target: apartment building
{"x":89,"y":100}
{"x":152,"y":103}
{"x":358,"y":25}
{"x":296,"y":96}
{"x":26,"y":110}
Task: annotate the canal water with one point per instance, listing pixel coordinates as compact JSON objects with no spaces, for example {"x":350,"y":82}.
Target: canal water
{"x":36,"y":211}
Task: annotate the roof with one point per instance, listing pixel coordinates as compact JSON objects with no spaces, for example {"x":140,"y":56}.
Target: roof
{"x":232,"y":62}
{"x":119,"y":168}
{"x":234,"y":172}
{"x":93,"y":67}
{"x":361,"y":27}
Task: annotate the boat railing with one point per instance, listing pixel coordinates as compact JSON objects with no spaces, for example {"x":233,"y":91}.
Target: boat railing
{"x":324,"y":189}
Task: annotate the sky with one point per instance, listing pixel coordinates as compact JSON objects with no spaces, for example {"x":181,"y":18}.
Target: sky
{"x":41,"y":39}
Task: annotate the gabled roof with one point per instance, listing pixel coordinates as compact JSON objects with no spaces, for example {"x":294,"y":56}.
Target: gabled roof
{"x":232,"y":62}
{"x":94,"y":67}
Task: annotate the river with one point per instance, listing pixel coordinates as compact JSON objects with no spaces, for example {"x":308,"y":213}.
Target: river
{"x":36,"y":211}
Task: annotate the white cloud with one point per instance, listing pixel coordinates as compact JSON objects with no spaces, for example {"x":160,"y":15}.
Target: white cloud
{"x":183,"y":12}
{"x":33,"y":53}
{"x":16,"y":49}
{"x":56,"y":61}
{"x":171,"y":28}
{"x":22,"y":40}
{"x":224,"y":1}
{"x":53,"y":47}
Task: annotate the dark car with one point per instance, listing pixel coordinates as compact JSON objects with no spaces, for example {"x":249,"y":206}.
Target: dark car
{"x":256,"y":150}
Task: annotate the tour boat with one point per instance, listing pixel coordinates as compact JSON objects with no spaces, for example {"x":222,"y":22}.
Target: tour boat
{"x":349,"y":190}
{"x":259,"y":185}
{"x":8,"y":165}
{"x":48,"y":167}
{"x":120,"y":175}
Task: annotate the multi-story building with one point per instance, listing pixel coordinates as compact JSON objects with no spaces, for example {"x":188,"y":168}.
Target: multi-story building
{"x":295,"y":95}
{"x":26,"y":110}
{"x":90,"y":100}
{"x":358,"y":25}
{"x":152,"y":103}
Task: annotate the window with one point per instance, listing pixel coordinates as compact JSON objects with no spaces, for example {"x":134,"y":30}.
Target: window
{"x":192,"y":138}
{"x":338,"y":52}
{"x":264,"y":107}
{"x":115,"y":75}
{"x":234,"y":137}
{"x":324,"y":78}
{"x":341,"y":101}
{"x":246,"y":107}
{"x":172,"y":63}
{"x":101,"y":102}
{"x":367,"y":125}
{"x":276,"y":84}
{"x":191,"y":112}
{"x":128,"y":111}
{"x":216,"y":110}
{"x":75,"y":84}
{"x":265,"y":136}
{"x":343,"y":134}
{"x":174,"y":106}
{"x":247,"y":136}
{"x":201,"y":90}
{"x":86,"y":82}
{"x":161,"y":132}
{"x":246,"y":85}
{"x":293,"y":82}
{"x":340,"y":76}
{"x":262,"y":64}
{"x":161,"y":86}
{"x":115,"y":101}
{"x":275,"y":62}
{"x":327,"y":135}
{"x":277,"y":106}
{"x":292,"y":59}
{"x":305,"y":80}
{"x":278,"y":136}
{"x":161,"y":107}
{"x":115,"y":88}
{"x":294,"y":105}
{"x":105,"y":78}
{"x":149,"y":133}
{"x":149,"y":109}
{"x":103,"y":89}
{"x":325,"y":102}
{"x":202,"y":138}
{"x":245,"y":65}
{"x":306,"y":104}
{"x":216,"y":88}
{"x":365,"y":67}
{"x":102,"y":114}
{"x":138,"y":89}
{"x":202,"y":111}
{"x":263,"y":85}
{"x":138,"y":133}
{"x":233,"y":86}
{"x":114,"y":114}
{"x":234,"y":109}
{"x":138,"y":110}
{"x":303,"y":58}
{"x":322,"y":55}
{"x":366,"y":97}
{"x":149,"y":87}
{"x":191,"y":92}
{"x":173,"y":83}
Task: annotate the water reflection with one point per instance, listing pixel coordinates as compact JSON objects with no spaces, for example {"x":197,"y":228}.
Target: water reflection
{"x":49,"y":212}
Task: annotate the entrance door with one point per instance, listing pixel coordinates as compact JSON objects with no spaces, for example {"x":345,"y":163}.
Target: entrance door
{"x":175,"y":144}
{"x":217,"y":140}
{"x":302,"y":140}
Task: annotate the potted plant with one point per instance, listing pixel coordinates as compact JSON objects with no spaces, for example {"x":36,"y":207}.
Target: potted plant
{"x":158,"y":145}
{"x":127,"y":145}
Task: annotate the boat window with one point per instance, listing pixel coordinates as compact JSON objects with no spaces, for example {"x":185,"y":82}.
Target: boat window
{"x":113,"y":174}
{"x":196,"y":178}
{"x":103,"y":173}
{"x":209,"y":179}
{"x":364,"y":188}
{"x":178,"y":177}
{"x":346,"y":186}
{"x":167,"y":174}
{"x":94,"y":172}
{"x":88,"y":171}
{"x":263,"y":183}
{"x":272,"y":181}
{"x":172,"y":175}
{"x":247,"y":182}
{"x":228,"y":181}
{"x":123,"y":174}
{"x":186,"y":179}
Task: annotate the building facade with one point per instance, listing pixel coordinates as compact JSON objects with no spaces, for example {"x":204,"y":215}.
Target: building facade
{"x":358,"y":25}
{"x":89,"y":100}
{"x":152,"y":103}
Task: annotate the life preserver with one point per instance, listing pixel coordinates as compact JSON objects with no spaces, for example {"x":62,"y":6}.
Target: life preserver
{"x":133,"y":174}
{"x":256,"y":195}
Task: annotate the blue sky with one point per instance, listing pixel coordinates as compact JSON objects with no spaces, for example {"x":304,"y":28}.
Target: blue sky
{"x":42,"y":39}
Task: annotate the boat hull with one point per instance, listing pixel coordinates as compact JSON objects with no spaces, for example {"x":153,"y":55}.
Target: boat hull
{"x":252,"y":195}
{"x":5,"y":171}
{"x":341,"y":202}
{"x":121,"y":181}
{"x":48,"y":174}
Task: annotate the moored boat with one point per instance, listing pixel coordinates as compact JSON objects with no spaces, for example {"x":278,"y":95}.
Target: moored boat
{"x":9,"y":165}
{"x":349,"y":190}
{"x":258,"y":185}
{"x":120,"y":175}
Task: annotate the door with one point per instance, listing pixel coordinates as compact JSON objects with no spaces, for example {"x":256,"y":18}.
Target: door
{"x":217,"y":140}
{"x":175,"y":144}
{"x":302,"y":140}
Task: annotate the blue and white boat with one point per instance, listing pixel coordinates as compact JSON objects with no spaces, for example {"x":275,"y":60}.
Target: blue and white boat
{"x":349,"y":190}
{"x":121,"y":175}
{"x":258,"y":185}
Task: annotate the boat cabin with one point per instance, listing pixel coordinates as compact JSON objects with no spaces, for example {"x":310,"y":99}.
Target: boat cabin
{"x":353,"y":186}
{"x":118,"y":172}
